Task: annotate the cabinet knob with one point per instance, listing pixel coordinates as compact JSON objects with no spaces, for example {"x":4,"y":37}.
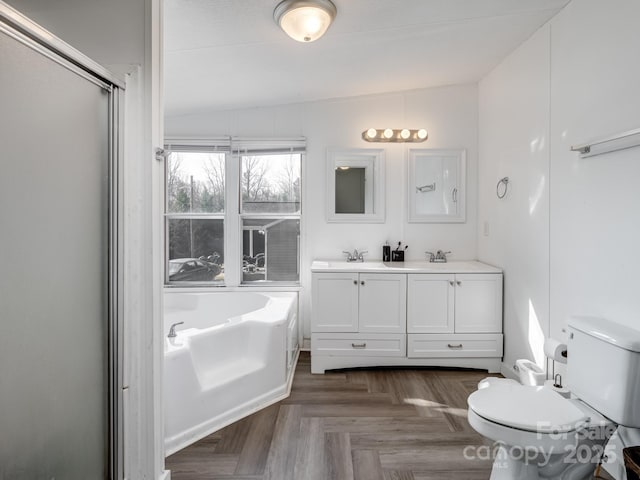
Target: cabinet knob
{"x":459,"y":282}
{"x":359,"y":345}
{"x":355,"y":282}
{"x":451,"y":283}
{"x":454,"y":346}
{"x":362,"y":282}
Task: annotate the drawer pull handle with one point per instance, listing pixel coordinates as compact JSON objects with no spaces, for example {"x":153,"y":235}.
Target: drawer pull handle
{"x":359,"y":345}
{"x":454,"y":346}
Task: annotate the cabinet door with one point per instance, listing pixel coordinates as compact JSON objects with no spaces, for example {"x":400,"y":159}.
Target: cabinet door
{"x":334,"y":305}
{"x":430,"y":303}
{"x":478,"y":303}
{"x":383,"y":303}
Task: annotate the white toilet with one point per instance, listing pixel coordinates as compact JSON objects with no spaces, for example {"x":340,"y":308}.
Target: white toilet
{"x":538,"y":433}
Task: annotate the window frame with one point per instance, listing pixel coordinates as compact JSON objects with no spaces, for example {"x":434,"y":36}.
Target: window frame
{"x":196,"y":147}
{"x":234,"y":149}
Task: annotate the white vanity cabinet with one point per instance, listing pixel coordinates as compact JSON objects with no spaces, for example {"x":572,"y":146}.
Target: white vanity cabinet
{"x":358,"y":315}
{"x":454,"y":315}
{"x":454,"y":303}
{"x":405,"y":314}
{"x":359,"y":302}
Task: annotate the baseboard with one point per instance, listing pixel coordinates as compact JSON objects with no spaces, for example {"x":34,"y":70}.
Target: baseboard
{"x":166,"y":475}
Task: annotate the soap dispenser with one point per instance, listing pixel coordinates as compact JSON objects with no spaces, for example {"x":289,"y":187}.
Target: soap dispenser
{"x":386,"y":252}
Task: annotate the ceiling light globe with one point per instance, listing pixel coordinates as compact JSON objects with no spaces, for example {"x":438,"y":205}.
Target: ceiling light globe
{"x":371,"y":133}
{"x":422,"y":134}
{"x":388,"y":133}
{"x":305,"y":20}
{"x":405,"y":133}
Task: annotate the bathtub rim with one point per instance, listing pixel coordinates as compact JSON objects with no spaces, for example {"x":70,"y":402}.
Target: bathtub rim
{"x":251,"y":315}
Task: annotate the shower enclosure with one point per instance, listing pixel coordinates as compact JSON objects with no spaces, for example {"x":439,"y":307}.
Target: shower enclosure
{"x":59,"y":289}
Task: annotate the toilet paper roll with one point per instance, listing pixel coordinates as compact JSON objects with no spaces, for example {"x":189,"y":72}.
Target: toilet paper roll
{"x":565,"y":392}
{"x":554,"y":350}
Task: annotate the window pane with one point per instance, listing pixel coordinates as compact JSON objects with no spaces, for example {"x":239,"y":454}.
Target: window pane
{"x":271,"y":183}
{"x":196,"y":250}
{"x":195,"y":182}
{"x":270,"y":250}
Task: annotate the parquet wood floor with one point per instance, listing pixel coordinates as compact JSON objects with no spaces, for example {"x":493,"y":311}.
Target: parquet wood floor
{"x":365,"y":424}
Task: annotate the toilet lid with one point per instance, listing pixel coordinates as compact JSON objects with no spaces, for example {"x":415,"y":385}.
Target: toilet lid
{"x":534,"y":409}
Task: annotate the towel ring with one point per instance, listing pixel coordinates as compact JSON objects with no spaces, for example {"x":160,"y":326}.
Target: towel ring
{"x":505,"y":183}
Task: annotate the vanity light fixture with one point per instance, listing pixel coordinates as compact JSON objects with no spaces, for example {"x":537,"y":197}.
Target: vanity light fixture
{"x":305,"y":20}
{"x":391,"y":135}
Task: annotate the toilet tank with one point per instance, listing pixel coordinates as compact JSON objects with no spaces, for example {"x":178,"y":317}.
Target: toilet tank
{"x":603,"y":367}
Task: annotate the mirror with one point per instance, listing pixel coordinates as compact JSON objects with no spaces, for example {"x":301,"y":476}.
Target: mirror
{"x":355,"y":185}
{"x":436,"y":184}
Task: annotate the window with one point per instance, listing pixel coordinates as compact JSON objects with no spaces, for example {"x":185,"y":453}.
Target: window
{"x":245,"y":195}
{"x":270,"y":210}
{"x":195,"y":183}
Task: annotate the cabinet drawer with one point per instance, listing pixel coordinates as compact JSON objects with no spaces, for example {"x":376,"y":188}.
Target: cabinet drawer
{"x":359,"y":344}
{"x":468,"y":345}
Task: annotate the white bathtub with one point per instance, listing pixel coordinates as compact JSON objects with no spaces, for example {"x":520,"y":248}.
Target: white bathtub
{"x":232,"y":356}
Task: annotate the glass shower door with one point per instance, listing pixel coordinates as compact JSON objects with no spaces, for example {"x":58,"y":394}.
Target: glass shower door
{"x":54,"y":267}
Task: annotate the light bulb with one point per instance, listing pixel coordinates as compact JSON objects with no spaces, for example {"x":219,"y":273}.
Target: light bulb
{"x":405,"y":133}
{"x":388,"y":133}
{"x":422,"y":134}
{"x":371,"y":133}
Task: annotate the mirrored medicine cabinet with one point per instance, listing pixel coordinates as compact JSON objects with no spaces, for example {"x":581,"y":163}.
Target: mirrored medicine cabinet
{"x":355,"y":185}
{"x":436,"y":186}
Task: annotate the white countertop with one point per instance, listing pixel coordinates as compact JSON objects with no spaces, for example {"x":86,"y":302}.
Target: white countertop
{"x":373,"y":266}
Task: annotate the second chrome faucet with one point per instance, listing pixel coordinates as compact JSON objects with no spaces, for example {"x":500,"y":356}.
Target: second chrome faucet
{"x":355,"y":256}
{"x":438,"y":257}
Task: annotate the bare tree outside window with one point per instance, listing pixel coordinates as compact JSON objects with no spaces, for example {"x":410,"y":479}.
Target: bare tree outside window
{"x":195,"y":182}
{"x":269,"y":188}
{"x":195,"y":216}
{"x":271,"y":183}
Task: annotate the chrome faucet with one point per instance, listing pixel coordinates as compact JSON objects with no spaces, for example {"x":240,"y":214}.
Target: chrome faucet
{"x":355,"y":256}
{"x":172,"y":330}
{"x":438,"y":257}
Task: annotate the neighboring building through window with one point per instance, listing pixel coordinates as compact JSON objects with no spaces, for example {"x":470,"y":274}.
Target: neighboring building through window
{"x":270,"y":210}
{"x":248,"y":198}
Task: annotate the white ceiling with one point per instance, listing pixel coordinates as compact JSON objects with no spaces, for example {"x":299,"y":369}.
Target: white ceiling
{"x":228,"y":54}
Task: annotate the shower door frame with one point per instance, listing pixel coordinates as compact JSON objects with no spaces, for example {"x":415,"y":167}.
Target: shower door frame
{"x":30,"y":34}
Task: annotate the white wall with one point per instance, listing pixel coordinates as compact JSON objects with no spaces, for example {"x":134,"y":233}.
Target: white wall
{"x":513,"y":232}
{"x":448,"y":113}
{"x":574,"y":80}
{"x":595,"y":227}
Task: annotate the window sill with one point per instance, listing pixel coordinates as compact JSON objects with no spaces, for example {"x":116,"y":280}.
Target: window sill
{"x":293,"y":287}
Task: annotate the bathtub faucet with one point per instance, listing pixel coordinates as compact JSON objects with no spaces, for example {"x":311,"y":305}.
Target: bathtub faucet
{"x":172,"y":330}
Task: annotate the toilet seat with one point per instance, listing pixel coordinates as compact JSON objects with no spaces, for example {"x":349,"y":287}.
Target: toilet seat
{"x":526,"y":408}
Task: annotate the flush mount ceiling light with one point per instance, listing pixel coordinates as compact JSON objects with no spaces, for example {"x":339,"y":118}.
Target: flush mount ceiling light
{"x":305,"y":20}
{"x":391,"y":135}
